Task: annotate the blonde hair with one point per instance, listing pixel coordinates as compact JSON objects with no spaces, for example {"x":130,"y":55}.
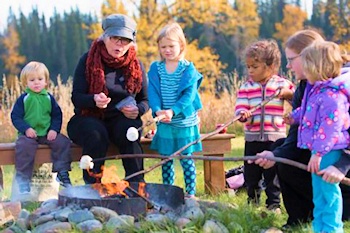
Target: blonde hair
{"x":173,"y":32}
{"x":265,"y":51}
{"x":34,"y":67}
{"x":301,"y":39}
{"x":323,"y":60}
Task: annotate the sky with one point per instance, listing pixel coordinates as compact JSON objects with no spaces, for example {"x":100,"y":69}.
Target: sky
{"x":47,"y":7}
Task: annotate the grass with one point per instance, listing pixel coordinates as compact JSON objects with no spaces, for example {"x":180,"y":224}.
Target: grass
{"x":243,"y":218}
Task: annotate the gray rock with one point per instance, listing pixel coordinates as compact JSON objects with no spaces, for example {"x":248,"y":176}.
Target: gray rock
{"x":62,"y":214}
{"x":22,"y":223}
{"x":212,"y":226}
{"x":190,"y":202}
{"x":117,"y":222}
{"x":24,"y":214}
{"x":52,"y":226}
{"x":43,"y":219}
{"x":80,"y":216}
{"x":182,"y":222}
{"x":14,"y":229}
{"x":50,"y":204}
{"x":7,"y":230}
{"x":90,"y":226}
{"x":193,"y":213}
{"x":156,"y":218}
{"x":103,"y":214}
{"x":172,"y":215}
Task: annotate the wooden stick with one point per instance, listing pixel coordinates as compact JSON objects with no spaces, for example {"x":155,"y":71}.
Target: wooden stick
{"x":148,"y":201}
{"x":177,"y":153}
{"x":152,"y":121}
{"x":293,"y":163}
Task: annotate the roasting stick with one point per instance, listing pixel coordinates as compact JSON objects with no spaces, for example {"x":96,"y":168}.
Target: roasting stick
{"x":132,"y":134}
{"x":148,"y":201}
{"x":345,"y":181}
{"x":234,"y":119}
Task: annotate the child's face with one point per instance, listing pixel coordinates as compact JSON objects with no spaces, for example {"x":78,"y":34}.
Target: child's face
{"x":258,"y":71}
{"x":169,"y":49}
{"x":36,"y":81}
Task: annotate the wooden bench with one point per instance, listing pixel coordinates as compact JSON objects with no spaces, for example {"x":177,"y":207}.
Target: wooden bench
{"x":214,"y":172}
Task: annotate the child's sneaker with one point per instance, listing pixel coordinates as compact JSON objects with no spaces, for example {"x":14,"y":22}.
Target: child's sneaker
{"x":63,"y":179}
{"x":24,"y":188}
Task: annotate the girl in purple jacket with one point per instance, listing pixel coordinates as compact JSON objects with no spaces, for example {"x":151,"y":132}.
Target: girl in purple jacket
{"x":323,"y":123}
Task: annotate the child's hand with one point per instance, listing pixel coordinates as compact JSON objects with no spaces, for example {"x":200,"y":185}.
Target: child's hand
{"x":51,"y":135}
{"x":30,"y":133}
{"x":244,"y":115}
{"x":288,"y":119}
{"x":168,"y":115}
{"x":286,"y":93}
{"x":314,"y":164}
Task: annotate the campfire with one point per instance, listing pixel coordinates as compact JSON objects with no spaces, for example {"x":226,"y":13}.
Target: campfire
{"x":130,"y":198}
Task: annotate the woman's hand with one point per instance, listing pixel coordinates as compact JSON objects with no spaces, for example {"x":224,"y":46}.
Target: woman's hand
{"x":331,"y":174}
{"x":262,"y":162}
{"x":130,"y":111}
{"x":51,"y":135}
{"x":314,"y":164}
{"x":101,"y":100}
{"x":286,"y":93}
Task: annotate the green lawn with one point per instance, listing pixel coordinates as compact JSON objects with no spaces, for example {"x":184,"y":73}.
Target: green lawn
{"x":247,"y":216}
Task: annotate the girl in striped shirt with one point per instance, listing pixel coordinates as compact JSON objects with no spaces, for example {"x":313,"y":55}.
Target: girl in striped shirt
{"x":264,"y":126}
{"x":173,"y":92}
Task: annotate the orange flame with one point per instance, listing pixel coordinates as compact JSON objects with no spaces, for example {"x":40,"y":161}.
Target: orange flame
{"x":142,"y":189}
{"x":109,"y":184}
{"x":111,"y":189}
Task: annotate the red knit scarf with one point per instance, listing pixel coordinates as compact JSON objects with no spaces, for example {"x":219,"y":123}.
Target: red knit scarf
{"x":97,"y":58}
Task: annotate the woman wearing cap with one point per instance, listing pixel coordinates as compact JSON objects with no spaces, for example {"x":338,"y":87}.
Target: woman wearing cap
{"x":109,"y":95}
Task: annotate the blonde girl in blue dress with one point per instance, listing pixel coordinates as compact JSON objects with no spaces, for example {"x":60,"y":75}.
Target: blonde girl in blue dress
{"x":173,"y":92}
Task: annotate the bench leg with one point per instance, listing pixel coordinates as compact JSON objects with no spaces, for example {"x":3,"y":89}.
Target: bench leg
{"x":1,"y":180}
{"x":214,"y":176}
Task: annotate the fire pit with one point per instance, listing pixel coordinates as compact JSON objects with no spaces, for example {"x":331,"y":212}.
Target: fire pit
{"x":131,"y":202}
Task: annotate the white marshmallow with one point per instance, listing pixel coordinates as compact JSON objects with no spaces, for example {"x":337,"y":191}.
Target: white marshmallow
{"x":132,"y":134}
{"x":86,"y":162}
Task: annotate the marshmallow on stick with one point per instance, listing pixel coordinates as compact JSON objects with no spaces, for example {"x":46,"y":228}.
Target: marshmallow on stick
{"x":133,"y":134}
{"x":86,"y":162}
